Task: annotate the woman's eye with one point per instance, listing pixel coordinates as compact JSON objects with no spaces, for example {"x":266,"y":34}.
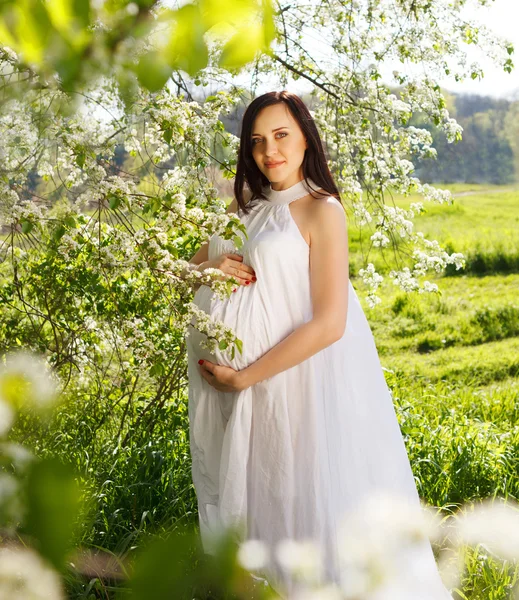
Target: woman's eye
{"x":259,"y":139}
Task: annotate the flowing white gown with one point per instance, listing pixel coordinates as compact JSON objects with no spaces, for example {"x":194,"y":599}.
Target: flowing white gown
{"x":289,"y":456}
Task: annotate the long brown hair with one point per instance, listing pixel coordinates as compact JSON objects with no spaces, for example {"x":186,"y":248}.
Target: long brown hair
{"x":314,"y":164}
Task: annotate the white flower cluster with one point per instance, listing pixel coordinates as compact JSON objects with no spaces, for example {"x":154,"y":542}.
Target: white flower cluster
{"x":214,"y":330}
{"x":27,"y":209}
{"x":423,"y":94}
{"x":380,"y":239}
{"x":435,"y":258}
{"x":71,"y":147}
{"x":419,"y":141}
{"x":361,"y":213}
{"x":132,"y":144}
{"x":19,"y":135}
{"x":6,"y":418}
{"x":405,"y":279}
{"x":434,"y":194}
{"x":67,"y":244}
{"x":183,"y":122}
{"x":114,"y":185}
{"x":372,"y":279}
{"x":41,"y":385}
{"x":396,"y":218}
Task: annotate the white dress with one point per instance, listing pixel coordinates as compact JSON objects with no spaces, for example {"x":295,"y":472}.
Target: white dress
{"x":291,"y":454}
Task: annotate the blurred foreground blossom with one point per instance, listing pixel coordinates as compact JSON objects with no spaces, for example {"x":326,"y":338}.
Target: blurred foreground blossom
{"x":6,"y":417}
{"x":25,"y":576}
{"x":253,"y":555}
{"x":385,"y":551}
{"x":301,"y":558}
{"x":328,"y":592}
{"x":8,"y":488}
{"x":27,"y":380}
{"x":494,"y":525}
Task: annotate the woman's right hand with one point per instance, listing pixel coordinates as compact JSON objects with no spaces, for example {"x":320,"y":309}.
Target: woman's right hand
{"x":232,"y":265}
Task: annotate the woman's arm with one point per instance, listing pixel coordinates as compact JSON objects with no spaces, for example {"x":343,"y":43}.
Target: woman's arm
{"x":329,"y":274}
{"x":202,"y":254}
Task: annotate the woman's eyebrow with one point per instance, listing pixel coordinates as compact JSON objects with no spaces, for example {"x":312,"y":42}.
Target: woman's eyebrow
{"x":277,"y":129}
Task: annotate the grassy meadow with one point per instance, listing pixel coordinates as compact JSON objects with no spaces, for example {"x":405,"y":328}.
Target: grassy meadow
{"x":451,"y":360}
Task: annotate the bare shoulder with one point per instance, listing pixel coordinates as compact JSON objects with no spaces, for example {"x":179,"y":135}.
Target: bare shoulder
{"x":327,"y":216}
{"x":326,"y":208}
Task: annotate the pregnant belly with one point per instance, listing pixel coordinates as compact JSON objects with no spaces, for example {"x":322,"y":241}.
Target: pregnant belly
{"x":253,"y":319}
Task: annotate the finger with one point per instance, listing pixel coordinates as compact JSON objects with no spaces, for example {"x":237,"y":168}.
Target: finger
{"x":244,"y":272}
{"x":239,"y":275}
{"x":208,"y":366}
{"x":247,"y":271}
{"x":209,"y":377}
{"x":234,"y":264}
{"x":234,"y":256}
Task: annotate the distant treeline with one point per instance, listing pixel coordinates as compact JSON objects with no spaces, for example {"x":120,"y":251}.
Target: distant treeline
{"x":489,"y":151}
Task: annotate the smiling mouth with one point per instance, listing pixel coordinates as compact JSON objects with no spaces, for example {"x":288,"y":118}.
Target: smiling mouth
{"x":270,"y":165}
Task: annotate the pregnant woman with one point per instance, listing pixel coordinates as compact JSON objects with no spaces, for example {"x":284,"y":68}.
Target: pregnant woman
{"x":299,"y":429}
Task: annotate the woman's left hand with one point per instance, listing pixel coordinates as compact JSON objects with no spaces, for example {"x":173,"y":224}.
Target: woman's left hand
{"x":224,"y":379}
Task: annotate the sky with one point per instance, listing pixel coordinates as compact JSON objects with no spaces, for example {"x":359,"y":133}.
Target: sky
{"x":501,"y":17}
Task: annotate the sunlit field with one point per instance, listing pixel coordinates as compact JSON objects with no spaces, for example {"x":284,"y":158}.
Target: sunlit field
{"x":452,"y":362}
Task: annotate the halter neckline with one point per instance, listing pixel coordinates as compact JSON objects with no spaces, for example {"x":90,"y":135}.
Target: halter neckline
{"x":294,"y":192}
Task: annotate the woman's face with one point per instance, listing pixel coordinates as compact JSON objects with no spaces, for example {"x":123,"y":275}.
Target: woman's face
{"x":278,"y":140}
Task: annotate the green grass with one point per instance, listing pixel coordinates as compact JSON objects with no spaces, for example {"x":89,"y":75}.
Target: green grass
{"x":452,"y":363}
{"x":470,"y":311}
{"x":484,"y":226}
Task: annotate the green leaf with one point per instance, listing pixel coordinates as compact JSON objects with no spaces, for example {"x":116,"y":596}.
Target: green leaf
{"x":80,"y":159}
{"x":153,"y":71}
{"x":32,"y":29}
{"x":242,"y":47}
{"x":269,"y":25}
{"x":114,"y":201}
{"x":238,"y":242}
{"x":58,"y":232}
{"x":166,"y":567}
{"x":167,"y":135}
{"x":233,"y":12}
{"x":223,"y":345}
{"x":69,"y":16}
{"x":157,"y":369}
{"x":187,"y":49}
{"x":27,"y":226}
{"x":53,"y":503}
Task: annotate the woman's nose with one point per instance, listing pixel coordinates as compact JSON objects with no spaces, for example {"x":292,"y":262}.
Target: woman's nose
{"x":271,"y":148}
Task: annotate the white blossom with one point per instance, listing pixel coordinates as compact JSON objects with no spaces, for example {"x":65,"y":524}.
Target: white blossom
{"x":25,"y":576}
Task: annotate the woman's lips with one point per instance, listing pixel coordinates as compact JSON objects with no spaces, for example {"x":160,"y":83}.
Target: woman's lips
{"x":274,"y":165}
